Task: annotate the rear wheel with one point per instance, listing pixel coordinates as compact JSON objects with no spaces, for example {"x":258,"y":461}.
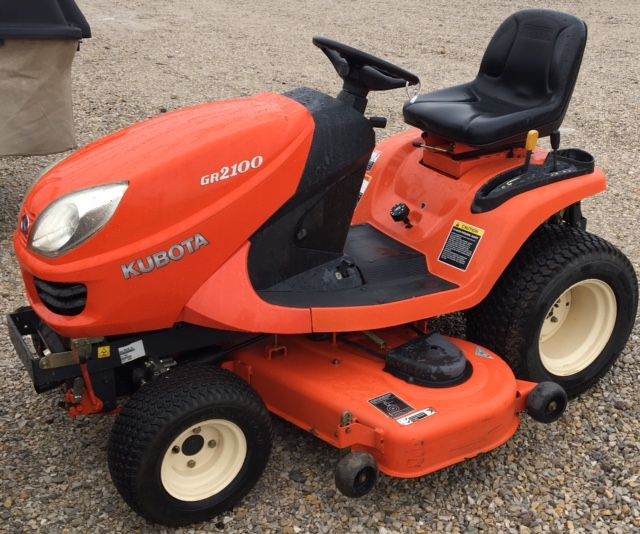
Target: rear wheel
{"x":189,"y":445}
{"x":562,"y":311}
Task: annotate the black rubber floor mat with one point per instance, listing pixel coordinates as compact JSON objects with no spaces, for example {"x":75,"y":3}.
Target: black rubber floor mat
{"x":391,"y":272}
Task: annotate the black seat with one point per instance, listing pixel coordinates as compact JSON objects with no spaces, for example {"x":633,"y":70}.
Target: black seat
{"x":525,"y":82}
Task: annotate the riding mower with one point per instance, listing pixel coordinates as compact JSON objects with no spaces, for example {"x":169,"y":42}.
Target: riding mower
{"x":225,"y":261}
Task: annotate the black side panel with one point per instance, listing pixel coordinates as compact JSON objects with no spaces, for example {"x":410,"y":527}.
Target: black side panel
{"x":390,"y":272}
{"x":311,"y":228}
{"x":570,"y":162}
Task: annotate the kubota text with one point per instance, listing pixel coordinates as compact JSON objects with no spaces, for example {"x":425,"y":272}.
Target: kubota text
{"x":164,"y":257}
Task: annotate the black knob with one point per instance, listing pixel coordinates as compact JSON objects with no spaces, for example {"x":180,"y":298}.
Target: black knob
{"x":400,"y":213}
{"x":378,"y":122}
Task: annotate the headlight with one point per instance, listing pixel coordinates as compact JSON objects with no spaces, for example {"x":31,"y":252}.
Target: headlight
{"x":74,"y":218}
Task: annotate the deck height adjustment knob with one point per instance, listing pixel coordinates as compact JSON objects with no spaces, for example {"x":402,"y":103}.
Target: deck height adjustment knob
{"x":400,"y":213}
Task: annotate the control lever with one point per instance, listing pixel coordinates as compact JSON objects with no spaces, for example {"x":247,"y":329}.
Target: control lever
{"x":555,"y":144}
{"x":532,"y":141}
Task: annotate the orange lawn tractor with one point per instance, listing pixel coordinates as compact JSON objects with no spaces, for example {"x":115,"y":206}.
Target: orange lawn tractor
{"x":217,"y":263}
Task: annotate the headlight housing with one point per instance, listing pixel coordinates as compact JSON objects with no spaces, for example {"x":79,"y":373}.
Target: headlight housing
{"x":74,"y":218}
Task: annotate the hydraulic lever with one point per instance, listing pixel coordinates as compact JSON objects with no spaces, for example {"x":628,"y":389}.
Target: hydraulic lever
{"x":530,"y":145}
{"x":555,"y":144}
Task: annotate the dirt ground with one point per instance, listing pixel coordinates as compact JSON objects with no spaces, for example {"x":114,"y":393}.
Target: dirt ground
{"x":146,"y":56}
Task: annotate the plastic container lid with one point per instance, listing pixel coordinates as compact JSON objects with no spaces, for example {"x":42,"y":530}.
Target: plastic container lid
{"x":42,"y":19}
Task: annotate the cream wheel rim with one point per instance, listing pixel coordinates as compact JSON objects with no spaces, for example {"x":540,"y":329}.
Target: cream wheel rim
{"x":203,"y":460}
{"x":577,"y":327}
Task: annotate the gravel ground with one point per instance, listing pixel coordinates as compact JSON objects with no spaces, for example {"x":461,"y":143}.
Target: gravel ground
{"x":581,"y":474}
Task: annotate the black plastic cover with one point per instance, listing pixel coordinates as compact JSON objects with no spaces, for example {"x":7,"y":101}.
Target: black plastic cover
{"x":311,"y":227}
{"x":42,"y":19}
{"x":569,"y":163}
{"x":431,"y":361}
{"x":61,"y":298}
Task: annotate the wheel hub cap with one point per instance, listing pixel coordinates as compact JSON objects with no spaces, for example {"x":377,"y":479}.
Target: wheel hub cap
{"x":192,"y":445}
{"x":203,"y":460}
{"x":577,"y":327}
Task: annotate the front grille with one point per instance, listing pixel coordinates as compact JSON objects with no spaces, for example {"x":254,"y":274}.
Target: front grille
{"x":63,"y":299}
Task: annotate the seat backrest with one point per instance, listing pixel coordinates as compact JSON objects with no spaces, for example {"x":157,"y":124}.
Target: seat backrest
{"x":534,"y":57}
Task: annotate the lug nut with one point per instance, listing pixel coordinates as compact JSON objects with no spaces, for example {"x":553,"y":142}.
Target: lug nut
{"x":212,"y":443}
{"x":191,"y":463}
{"x":175,"y":449}
{"x":196,"y":430}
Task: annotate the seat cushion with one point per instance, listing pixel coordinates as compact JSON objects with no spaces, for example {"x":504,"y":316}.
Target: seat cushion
{"x":525,"y":82}
{"x":463,"y":115}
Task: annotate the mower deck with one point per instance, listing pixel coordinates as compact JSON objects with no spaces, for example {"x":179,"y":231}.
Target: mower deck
{"x":340,"y":393}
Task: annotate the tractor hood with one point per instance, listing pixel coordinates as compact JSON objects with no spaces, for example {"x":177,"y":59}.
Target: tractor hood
{"x":181,"y":168}
{"x":192,"y":187}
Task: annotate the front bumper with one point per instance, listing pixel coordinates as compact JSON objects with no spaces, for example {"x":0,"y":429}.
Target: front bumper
{"x":85,"y":366}
{"x":51,"y":359}
{"x":24,"y":324}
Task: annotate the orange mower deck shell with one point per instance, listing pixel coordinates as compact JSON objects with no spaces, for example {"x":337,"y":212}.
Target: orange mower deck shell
{"x":312,"y":384}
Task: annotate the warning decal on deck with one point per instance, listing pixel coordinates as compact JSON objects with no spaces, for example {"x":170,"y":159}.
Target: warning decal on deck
{"x":391,"y":406}
{"x":461,"y":245}
{"x":418,"y":416}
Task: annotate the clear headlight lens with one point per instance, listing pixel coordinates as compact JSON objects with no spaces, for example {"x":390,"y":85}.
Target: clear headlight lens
{"x":74,"y":218}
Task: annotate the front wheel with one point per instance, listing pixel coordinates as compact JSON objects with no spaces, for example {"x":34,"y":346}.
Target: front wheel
{"x":562,"y":311}
{"x":189,"y":445}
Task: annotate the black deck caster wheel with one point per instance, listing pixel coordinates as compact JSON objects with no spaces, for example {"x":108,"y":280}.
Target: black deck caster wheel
{"x":547,"y":401}
{"x":356,"y":474}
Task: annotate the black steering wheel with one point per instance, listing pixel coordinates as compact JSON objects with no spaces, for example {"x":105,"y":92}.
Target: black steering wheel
{"x":363,"y":72}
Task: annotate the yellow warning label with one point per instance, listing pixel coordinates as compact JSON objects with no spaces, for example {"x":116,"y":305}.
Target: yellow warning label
{"x":469,"y":228}
{"x":104,"y":352}
{"x":461,"y":245}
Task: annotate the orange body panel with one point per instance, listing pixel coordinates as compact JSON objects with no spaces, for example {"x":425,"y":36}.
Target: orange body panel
{"x":164,"y":160}
{"x":313,"y":384}
{"x":167,"y":162}
{"x":228,"y":301}
{"x":398,"y":176}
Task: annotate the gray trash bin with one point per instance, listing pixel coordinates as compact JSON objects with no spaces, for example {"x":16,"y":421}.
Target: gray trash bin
{"x":38,"y":41}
